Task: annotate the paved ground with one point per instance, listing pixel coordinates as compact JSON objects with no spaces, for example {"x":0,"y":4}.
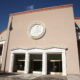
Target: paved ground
{"x":31,"y":77}
{"x":37,"y":77}
{"x":73,"y":77}
{"x":25,"y":76}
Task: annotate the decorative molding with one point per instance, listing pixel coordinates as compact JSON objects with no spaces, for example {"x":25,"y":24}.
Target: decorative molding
{"x":36,"y":30}
{"x":2,"y":41}
{"x":37,"y":48}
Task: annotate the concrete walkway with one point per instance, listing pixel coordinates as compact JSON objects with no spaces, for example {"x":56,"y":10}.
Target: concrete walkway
{"x":33,"y":77}
{"x":39,"y":77}
{"x":73,"y":77}
{"x":25,"y":76}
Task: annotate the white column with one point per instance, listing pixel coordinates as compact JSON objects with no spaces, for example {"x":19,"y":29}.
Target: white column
{"x":26,"y":63}
{"x":64,"y":62}
{"x":11,"y":62}
{"x":44,"y":63}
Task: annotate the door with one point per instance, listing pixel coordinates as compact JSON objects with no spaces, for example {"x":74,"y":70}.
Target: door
{"x":19,"y":62}
{"x":35,"y":63}
{"x":54,"y":63}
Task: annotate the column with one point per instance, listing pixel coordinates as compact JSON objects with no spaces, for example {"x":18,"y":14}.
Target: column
{"x":64,"y":62}
{"x":11,"y":62}
{"x":44,"y":63}
{"x":26,"y":63}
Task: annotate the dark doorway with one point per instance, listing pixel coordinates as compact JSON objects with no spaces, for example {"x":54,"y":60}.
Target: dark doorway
{"x":1,"y":48}
{"x":79,"y":51}
{"x":54,"y":63}
{"x":19,"y":63}
{"x":35,"y":63}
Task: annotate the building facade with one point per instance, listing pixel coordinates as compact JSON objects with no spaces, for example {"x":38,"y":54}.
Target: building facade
{"x":42,"y":41}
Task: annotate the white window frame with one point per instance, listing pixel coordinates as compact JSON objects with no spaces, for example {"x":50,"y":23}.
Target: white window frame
{"x":2,"y":43}
{"x":39,"y":50}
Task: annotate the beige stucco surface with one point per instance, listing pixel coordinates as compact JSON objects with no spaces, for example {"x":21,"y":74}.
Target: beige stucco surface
{"x":3,"y":35}
{"x":60,"y":32}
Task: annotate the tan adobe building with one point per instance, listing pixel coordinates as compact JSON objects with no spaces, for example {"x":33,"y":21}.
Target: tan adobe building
{"x":42,"y":41}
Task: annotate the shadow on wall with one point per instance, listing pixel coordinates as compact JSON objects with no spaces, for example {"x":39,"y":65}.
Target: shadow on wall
{"x":79,"y":51}
{"x":78,"y":40}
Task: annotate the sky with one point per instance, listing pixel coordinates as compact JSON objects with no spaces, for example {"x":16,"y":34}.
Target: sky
{"x":12,"y":6}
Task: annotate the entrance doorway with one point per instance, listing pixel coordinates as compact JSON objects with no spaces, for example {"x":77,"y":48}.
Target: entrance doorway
{"x":35,"y":63}
{"x":79,"y":51}
{"x":51,"y":61}
{"x":54,"y":63}
{"x":1,"y":48}
{"x":19,"y":62}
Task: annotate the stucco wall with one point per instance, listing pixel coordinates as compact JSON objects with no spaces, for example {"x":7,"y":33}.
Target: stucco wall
{"x":3,"y":35}
{"x":60,"y":32}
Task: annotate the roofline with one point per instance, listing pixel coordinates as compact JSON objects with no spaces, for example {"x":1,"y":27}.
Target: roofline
{"x":42,"y":9}
{"x":3,"y":31}
{"x":77,"y":18}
